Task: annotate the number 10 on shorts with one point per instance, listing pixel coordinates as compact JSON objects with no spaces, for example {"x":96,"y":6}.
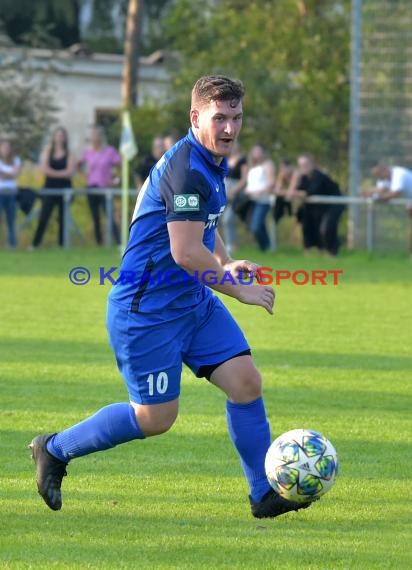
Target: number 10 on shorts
{"x":158,"y":386}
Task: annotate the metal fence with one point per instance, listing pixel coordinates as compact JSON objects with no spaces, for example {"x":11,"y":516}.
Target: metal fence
{"x":67,"y":195}
{"x":381,"y":105}
{"x":381,"y":225}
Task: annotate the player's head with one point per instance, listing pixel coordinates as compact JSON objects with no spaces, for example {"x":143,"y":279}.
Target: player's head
{"x":306,"y":164}
{"x":216,"y":113}
{"x":381,"y":170}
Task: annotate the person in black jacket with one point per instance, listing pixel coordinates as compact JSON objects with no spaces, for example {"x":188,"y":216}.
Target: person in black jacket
{"x":319,"y":221}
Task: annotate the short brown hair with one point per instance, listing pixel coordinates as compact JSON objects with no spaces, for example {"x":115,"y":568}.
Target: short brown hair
{"x":217,"y":88}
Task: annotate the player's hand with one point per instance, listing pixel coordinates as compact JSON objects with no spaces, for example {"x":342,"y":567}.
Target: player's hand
{"x":241,"y":268}
{"x":261,"y":295}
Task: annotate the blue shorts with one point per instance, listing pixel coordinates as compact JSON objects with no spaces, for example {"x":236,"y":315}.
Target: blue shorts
{"x":150,"y":348}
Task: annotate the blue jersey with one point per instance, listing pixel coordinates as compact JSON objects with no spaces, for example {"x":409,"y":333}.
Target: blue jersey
{"x":186,"y":184}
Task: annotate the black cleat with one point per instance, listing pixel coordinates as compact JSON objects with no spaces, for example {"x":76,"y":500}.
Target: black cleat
{"x":273,"y":505}
{"x":49,"y":472}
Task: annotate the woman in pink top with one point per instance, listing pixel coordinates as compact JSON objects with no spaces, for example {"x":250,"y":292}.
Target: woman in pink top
{"x":99,"y":161}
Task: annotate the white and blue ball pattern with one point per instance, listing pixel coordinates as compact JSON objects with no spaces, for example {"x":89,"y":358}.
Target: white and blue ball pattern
{"x":301,"y":465}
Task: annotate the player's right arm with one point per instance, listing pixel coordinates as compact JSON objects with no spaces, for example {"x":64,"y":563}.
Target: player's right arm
{"x":188,"y":251}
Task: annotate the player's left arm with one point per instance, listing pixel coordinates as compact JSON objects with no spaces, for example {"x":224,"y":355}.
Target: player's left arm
{"x":244,"y":267}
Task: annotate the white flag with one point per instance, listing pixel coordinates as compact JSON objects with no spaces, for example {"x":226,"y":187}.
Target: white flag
{"x":128,"y":145}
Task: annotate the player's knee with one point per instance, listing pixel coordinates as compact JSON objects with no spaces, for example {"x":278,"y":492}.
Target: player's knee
{"x":248,"y":387}
{"x":156,"y":419}
{"x":159,"y":426}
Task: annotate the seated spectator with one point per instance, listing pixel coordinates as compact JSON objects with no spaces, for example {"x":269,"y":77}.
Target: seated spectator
{"x":144,"y":168}
{"x":319,"y":221}
{"x":10,"y":166}
{"x":58,"y":164}
{"x":100,"y":160}
{"x":393,"y":182}
{"x":260,"y":188}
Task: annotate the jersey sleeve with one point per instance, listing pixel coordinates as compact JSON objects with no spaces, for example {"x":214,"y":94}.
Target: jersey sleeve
{"x":185,"y":199}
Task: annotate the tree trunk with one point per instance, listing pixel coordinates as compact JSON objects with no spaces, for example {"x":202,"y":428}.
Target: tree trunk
{"x":131,"y":54}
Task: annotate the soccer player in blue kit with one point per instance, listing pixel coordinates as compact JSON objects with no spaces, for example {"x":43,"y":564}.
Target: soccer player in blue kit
{"x":155,"y":325}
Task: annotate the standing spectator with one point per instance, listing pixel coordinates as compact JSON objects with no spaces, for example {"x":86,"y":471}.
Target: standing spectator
{"x":170,"y":140}
{"x":143,"y":170}
{"x":99,"y":160}
{"x":283,"y":205}
{"x":10,"y":166}
{"x":235,"y":182}
{"x":260,"y":187}
{"x":319,"y":221}
{"x":393,"y":182}
{"x":58,"y":164}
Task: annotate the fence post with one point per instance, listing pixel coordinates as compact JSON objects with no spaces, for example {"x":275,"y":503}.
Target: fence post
{"x":370,"y":229}
{"x":354,"y":135}
{"x":109,"y":216}
{"x":67,"y":196}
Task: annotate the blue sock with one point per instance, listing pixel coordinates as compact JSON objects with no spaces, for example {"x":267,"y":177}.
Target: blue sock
{"x":250,"y":433}
{"x":110,"y":426}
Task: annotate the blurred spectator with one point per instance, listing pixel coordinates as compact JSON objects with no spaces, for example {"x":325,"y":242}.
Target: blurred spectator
{"x":235,"y":183}
{"x":393,"y":182}
{"x":143,"y":170}
{"x":260,"y":187}
{"x":58,"y":164}
{"x":283,"y":206}
{"x":170,"y":140}
{"x":10,"y":166}
{"x":99,"y":161}
{"x":319,"y":221}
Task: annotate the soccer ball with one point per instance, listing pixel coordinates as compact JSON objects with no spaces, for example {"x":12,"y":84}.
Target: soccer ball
{"x":301,"y":465}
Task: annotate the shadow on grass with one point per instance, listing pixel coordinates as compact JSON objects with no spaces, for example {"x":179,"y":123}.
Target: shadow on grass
{"x":306,"y":359}
{"x":71,"y":351}
{"x":27,"y":350}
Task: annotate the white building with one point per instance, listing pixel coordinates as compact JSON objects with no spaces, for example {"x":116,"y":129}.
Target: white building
{"x":86,"y":88}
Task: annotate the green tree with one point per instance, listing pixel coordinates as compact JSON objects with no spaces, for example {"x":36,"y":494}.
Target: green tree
{"x":293,"y":58}
{"x":43,"y":23}
{"x":26,"y":110}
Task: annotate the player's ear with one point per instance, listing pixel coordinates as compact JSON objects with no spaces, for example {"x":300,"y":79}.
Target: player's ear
{"x":194,"y":118}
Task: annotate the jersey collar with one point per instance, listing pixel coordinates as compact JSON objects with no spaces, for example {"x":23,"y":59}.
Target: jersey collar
{"x":222,"y":168}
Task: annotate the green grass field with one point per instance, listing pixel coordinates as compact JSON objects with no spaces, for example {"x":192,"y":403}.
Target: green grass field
{"x":334,"y":358}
